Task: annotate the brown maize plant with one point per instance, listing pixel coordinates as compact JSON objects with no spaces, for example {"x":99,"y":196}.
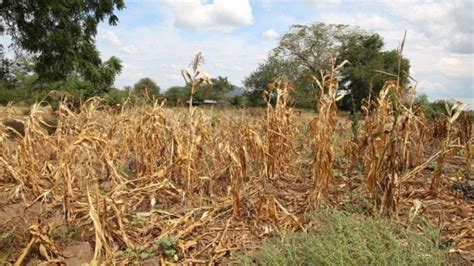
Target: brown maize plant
{"x":453,"y":114}
{"x":278,"y":127}
{"x":323,"y":129}
{"x":194,"y":82}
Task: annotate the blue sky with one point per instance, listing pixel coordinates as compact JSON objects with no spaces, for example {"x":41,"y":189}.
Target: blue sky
{"x":157,"y":38}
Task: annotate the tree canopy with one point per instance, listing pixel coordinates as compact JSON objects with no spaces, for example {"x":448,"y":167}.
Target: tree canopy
{"x":218,"y":90}
{"x":274,"y":67}
{"x":360,"y":78}
{"x":146,"y":86}
{"x":61,"y":37}
{"x":310,"y":49}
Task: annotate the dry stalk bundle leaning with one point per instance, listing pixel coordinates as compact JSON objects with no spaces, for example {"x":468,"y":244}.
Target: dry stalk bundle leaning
{"x":147,"y":141}
{"x":392,"y":135}
{"x":382,"y":143}
{"x":237,"y":170}
{"x":465,"y":137}
{"x":323,"y":128}
{"x":422,"y":137}
{"x":25,"y":163}
{"x":393,"y":139}
{"x":278,"y":128}
{"x":389,"y":136}
{"x":453,"y":114}
{"x":412,"y":130}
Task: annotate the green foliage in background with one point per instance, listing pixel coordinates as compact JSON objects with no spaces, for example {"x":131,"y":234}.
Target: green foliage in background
{"x":61,"y":37}
{"x":218,"y":90}
{"x":146,"y":87}
{"x":309,"y":49}
{"x":59,"y":44}
{"x":365,"y":54}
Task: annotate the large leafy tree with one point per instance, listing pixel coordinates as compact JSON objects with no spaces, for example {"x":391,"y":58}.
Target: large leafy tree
{"x":274,"y":67}
{"x":61,"y":36}
{"x":218,"y":89}
{"x":362,"y":77}
{"x":177,"y":94}
{"x":310,"y":49}
{"x":312,"y":46}
{"x":146,"y":86}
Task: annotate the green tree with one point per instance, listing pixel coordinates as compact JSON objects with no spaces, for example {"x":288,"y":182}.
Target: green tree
{"x":146,"y":87}
{"x":360,"y":78}
{"x":60,"y":36}
{"x":18,"y":85}
{"x":312,"y":46}
{"x":177,"y":94}
{"x":239,"y":101}
{"x":307,"y":50}
{"x":220,"y":87}
{"x":218,"y":90}
{"x":422,"y":102}
{"x":115,"y":96}
{"x":267,"y":72}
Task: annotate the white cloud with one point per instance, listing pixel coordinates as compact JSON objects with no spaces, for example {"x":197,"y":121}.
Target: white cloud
{"x":175,"y":77}
{"x":456,"y":66}
{"x":266,"y":4}
{"x":129,"y":49}
{"x":220,"y":15}
{"x":462,"y":44}
{"x":447,"y":22}
{"x":444,"y":90}
{"x":164,"y":50}
{"x":319,"y":4}
{"x":365,"y":21}
{"x":325,"y":3}
{"x":110,"y":37}
{"x":270,"y":34}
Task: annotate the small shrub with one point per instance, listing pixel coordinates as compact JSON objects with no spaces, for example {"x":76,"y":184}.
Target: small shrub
{"x":167,"y":245}
{"x":349,"y":239}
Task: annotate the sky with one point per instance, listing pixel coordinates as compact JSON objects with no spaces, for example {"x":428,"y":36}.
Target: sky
{"x":158,"y":38}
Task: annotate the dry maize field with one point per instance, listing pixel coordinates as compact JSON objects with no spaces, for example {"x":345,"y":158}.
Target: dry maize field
{"x":194,"y":185}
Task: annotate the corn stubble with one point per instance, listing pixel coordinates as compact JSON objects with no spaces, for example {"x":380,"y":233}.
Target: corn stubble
{"x":218,"y":180}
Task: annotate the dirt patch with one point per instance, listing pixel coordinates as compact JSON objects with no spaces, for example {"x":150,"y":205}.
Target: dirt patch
{"x":78,"y":253}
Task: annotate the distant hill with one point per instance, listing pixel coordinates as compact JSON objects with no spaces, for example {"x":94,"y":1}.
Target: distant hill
{"x":237,"y":91}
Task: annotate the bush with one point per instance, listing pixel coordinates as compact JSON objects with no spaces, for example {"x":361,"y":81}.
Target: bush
{"x":115,"y":96}
{"x":350,"y":239}
{"x":239,"y":101}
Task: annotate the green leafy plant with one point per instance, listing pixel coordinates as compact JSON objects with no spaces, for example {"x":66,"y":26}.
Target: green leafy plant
{"x":167,"y":245}
{"x":127,"y":253}
{"x":137,"y":221}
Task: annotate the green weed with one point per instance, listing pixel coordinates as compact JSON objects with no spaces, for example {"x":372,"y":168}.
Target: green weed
{"x":342,"y":238}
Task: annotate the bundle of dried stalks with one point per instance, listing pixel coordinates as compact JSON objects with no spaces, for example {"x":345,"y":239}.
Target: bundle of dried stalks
{"x":323,"y":129}
{"x":278,"y":127}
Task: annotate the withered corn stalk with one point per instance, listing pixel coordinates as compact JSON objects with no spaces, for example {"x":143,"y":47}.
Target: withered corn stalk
{"x":194,"y":82}
{"x":278,"y":127}
{"x":453,"y":114}
{"x":323,"y":129}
